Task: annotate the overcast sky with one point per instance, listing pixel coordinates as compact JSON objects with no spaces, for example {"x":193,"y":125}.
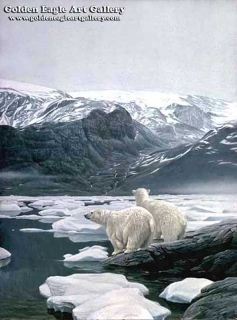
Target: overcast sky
{"x":178,"y":46}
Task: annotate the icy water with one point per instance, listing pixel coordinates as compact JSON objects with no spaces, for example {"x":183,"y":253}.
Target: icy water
{"x":36,"y":256}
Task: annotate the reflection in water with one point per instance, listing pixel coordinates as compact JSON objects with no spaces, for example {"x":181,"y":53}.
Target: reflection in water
{"x":5,"y":262}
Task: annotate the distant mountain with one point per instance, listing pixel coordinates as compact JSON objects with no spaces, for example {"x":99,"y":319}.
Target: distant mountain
{"x":52,"y":142}
{"x":87,"y":156}
{"x":176,"y":119}
{"x":207,"y":166}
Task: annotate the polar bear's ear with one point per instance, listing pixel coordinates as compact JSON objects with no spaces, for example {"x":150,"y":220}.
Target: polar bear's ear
{"x":148,"y":190}
{"x":133,"y":192}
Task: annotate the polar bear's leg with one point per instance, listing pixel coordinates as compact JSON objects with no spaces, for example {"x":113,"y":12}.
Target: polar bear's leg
{"x":134,"y":243}
{"x":157,"y":235}
{"x":145,"y":244}
{"x":118,"y":246}
{"x":169,"y":236}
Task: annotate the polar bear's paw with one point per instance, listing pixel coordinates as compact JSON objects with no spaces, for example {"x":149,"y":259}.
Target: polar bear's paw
{"x":116,"y":252}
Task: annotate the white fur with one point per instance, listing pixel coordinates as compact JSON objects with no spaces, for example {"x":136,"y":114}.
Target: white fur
{"x":128,"y":229}
{"x":170,"y":221}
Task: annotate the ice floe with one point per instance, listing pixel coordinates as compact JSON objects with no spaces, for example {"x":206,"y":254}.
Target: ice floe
{"x":49,"y":219}
{"x":95,"y":253}
{"x":72,"y":224}
{"x":26,"y":209}
{"x":35,"y":230}
{"x":55,"y":212}
{"x":28,"y":217}
{"x":80,"y":283}
{"x":39,"y":204}
{"x":120,"y":311}
{"x":9,"y":209}
{"x":4,"y":254}
{"x":184,"y":291}
{"x":194,"y":225}
{"x":100,"y":296}
{"x":117,"y":304}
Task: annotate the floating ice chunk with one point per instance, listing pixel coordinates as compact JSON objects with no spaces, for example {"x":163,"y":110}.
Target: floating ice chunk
{"x":121,"y":311}
{"x":184,"y":291}
{"x":72,"y":224}
{"x":66,"y":205}
{"x":195,"y":225}
{"x":60,"y":286}
{"x":98,"y":235}
{"x":9,"y":209}
{"x":68,"y":303}
{"x":81,"y":284}
{"x":26,"y":209}
{"x":93,"y":293}
{"x":49,"y":219}
{"x":2,"y":216}
{"x":94,"y":247}
{"x":4,"y":254}
{"x":127,"y":297}
{"x":5,"y":262}
{"x":202,"y":209}
{"x":21,"y":204}
{"x":55,"y":212}
{"x":28,"y":217}
{"x":35,"y":230}
{"x":219,"y":217}
{"x":44,"y":290}
{"x":39,"y":204}
{"x":94,"y":253}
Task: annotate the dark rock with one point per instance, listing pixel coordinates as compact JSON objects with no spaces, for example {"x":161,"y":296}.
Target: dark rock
{"x":215,"y":302}
{"x":76,"y":157}
{"x":208,"y":252}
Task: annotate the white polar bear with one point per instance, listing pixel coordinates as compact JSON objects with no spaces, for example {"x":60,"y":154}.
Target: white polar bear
{"x":169,"y":220}
{"x":129,"y":229}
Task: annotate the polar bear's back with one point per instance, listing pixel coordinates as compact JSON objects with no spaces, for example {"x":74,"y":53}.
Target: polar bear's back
{"x":167,"y":216}
{"x":134,"y":227}
{"x":134,"y":215}
{"x":161,"y":208}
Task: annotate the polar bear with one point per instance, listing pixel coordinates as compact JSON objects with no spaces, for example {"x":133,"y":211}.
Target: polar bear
{"x":129,"y":229}
{"x":169,"y":220}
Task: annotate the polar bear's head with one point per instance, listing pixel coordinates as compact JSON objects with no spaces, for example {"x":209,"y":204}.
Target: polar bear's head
{"x":99,"y":216}
{"x":141,"y":194}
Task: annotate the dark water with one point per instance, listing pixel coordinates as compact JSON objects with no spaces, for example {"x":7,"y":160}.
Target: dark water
{"x":36,"y":256}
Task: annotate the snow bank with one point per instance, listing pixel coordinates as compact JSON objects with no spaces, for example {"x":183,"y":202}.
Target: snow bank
{"x":184,"y":291}
{"x":10,"y":209}
{"x":95,"y":253}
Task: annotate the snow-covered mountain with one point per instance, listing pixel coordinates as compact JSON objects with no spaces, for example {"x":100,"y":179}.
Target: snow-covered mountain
{"x":176,"y":119}
{"x":113,"y":141}
{"x":207,"y":166}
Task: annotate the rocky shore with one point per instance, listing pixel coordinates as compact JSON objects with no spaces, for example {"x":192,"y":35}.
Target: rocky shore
{"x":209,"y":252}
